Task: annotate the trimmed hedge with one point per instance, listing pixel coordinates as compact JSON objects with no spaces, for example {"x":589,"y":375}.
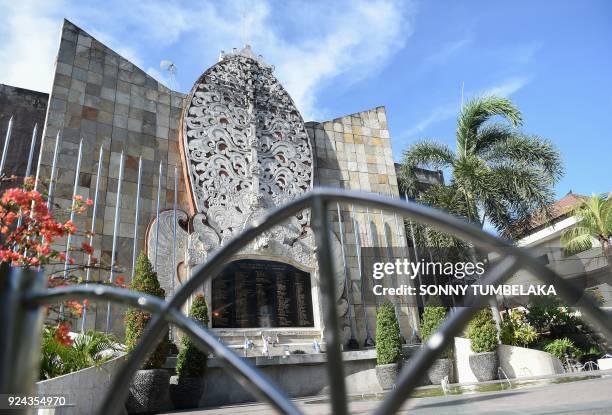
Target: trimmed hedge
{"x":191,"y":361}
{"x":483,"y":332}
{"x":433,"y":316}
{"x":388,"y":339}
{"x":145,"y":281}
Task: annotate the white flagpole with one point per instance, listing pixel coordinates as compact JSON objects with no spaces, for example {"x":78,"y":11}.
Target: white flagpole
{"x":7,"y":141}
{"x":136,"y":215}
{"x":92,"y":231}
{"x":115,"y":232}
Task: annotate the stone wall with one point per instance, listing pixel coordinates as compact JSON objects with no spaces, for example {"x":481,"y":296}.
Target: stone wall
{"x":105,"y":100}
{"x":354,"y":152}
{"x":27,"y":108}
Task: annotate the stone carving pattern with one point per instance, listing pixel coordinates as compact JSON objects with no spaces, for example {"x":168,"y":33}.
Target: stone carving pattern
{"x":246,"y":146}
{"x":246,"y":151}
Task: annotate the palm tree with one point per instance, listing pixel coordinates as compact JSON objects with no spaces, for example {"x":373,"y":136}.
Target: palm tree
{"x":594,"y":221}
{"x":498,"y":174}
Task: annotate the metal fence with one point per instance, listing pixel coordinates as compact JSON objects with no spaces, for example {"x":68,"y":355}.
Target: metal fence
{"x":22,"y":297}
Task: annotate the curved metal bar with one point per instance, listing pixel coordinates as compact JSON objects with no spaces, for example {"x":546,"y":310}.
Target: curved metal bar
{"x":119,"y":295}
{"x":248,"y":376}
{"x":430,"y":216}
{"x":335,"y":367}
{"x":412,"y":373}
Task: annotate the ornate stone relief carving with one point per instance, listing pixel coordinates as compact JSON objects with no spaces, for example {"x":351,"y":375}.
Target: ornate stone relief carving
{"x":245,"y":151}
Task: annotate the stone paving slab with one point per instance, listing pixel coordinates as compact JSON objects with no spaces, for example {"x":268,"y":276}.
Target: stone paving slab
{"x":580,"y":397}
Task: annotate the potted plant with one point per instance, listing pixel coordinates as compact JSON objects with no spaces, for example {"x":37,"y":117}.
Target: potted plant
{"x":483,"y":334}
{"x":433,"y":316}
{"x":187,"y":387}
{"x":149,"y":390}
{"x":388,"y":345}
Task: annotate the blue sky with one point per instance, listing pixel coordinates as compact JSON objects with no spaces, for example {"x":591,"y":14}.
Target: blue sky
{"x":553,"y":59}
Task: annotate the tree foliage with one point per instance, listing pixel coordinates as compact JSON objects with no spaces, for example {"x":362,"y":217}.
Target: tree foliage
{"x":388,"y":340}
{"x":594,"y":221}
{"x":563,"y":347}
{"x":482,"y":332}
{"x":516,"y":330}
{"x":497,"y":172}
{"x":145,"y":281}
{"x":191,"y":361}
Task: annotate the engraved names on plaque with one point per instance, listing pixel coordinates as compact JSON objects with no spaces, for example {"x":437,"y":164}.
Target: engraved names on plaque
{"x":257,"y":293}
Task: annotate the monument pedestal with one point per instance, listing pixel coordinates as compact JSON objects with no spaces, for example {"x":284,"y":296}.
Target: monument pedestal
{"x":290,"y":339}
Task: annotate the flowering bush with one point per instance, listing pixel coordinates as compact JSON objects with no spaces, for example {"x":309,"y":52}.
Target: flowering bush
{"x":28,"y":230}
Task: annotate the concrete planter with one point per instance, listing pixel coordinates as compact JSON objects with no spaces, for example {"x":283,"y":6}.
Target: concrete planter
{"x":149,"y":392}
{"x":186,"y":391}
{"x":386,"y":375}
{"x":440,"y":369}
{"x":484,"y":365}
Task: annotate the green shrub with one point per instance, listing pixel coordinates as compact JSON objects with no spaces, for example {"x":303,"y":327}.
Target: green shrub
{"x":86,"y":350}
{"x":483,"y":332}
{"x":388,"y":340}
{"x":516,"y":331}
{"x":191,"y":361}
{"x":544,"y":312}
{"x":562,"y":347}
{"x":433,"y":316}
{"x":145,"y":281}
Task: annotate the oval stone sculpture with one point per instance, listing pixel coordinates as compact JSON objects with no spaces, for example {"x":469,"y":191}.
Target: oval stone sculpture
{"x":244,"y":144}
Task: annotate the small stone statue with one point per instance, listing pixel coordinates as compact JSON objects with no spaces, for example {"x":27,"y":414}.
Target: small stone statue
{"x":248,"y":344}
{"x":265,"y":348}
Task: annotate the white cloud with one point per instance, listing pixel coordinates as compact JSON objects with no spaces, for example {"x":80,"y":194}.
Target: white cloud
{"x":441,"y":113}
{"x":447,"y":51}
{"x":507,"y":87}
{"x":310,"y":47}
{"x":449,"y":110}
{"x":29,"y":39}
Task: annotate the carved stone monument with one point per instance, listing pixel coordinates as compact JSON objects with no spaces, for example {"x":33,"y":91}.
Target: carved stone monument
{"x":245,"y":150}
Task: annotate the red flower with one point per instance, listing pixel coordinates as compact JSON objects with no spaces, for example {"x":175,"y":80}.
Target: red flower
{"x":88,"y":249}
{"x":120,"y":281}
{"x":75,"y":306}
{"x":62,"y":334}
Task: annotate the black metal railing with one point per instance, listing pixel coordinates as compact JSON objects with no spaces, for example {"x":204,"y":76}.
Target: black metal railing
{"x":27,"y":298}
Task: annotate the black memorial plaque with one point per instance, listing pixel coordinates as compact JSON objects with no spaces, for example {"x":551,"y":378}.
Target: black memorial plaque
{"x":256,"y":293}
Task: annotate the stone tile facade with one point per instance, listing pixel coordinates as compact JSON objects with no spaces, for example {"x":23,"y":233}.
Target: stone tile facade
{"x":27,"y":108}
{"x":354,"y":152}
{"x":105,"y":100}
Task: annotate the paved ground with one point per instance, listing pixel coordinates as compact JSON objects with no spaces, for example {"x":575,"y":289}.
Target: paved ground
{"x":581,"y":397}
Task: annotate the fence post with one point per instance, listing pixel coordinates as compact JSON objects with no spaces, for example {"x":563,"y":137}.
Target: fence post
{"x":21,"y":330}
{"x":335,"y":365}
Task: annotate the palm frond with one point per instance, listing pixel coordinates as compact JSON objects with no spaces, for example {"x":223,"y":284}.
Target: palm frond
{"x":595,"y":214}
{"x":423,"y":155}
{"x":531,"y":151}
{"x":478,"y":111}
{"x":489,"y":136}
{"x":576,"y":239}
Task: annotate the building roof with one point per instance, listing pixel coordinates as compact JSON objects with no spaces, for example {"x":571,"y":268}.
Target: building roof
{"x":556,"y":211}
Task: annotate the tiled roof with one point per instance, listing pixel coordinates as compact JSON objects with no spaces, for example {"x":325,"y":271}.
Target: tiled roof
{"x":557,"y":210}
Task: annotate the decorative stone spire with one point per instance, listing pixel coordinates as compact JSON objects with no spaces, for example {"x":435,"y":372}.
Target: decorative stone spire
{"x":245,"y":52}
